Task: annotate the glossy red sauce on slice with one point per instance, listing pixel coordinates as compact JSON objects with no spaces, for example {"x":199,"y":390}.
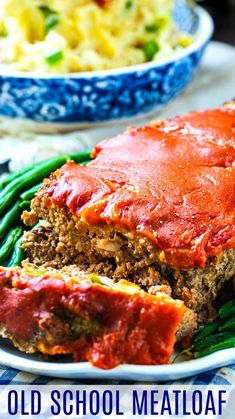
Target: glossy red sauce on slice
{"x":173,"y":183}
{"x":137,"y":328}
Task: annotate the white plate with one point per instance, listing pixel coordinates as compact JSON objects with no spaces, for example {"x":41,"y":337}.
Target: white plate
{"x":13,"y":358}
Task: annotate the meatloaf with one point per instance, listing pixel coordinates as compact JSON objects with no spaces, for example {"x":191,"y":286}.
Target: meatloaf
{"x":156,"y":206}
{"x":87,"y":316}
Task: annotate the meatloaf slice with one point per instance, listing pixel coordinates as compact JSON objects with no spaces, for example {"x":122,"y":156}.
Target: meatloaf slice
{"x":90,"y":317}
{"x":156,"y":206}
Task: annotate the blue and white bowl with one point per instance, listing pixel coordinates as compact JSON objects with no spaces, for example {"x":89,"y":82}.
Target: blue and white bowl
{"x":82,"y":99}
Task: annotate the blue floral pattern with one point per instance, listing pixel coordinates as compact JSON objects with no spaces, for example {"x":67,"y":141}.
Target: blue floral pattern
{"x":94,"y":99}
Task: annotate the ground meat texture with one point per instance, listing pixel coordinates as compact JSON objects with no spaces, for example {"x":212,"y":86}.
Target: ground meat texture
{"x":122,"y":254}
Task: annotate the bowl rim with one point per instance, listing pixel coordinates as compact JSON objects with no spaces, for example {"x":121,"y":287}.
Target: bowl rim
{"x":202,"y":36}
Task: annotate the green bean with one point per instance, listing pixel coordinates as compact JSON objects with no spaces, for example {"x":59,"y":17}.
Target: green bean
{"x":3,"y":182}
{"x":228,"y":325}
{"x":39,"y":172}
{"x":17,"y":183}
{"x":25,"y":205}
{"x":30,"y":193}
{"x":210,"y":340}
{"x":228,"y":343}
{"x":84,"y":163}
{"x":26,"y":181}
{"x":81,"y":156}
{"x":32,"y":177}
{"x":12,"y":176}
{"x":54,"y":56}
{"x":228,"y":309}
{"x":10,"y":219}
{"x":207,"y":330}
{"x":9,"y":243}
{"x":8,"y":204}
{"x":18,"y":254}
{"x":77,"y":157}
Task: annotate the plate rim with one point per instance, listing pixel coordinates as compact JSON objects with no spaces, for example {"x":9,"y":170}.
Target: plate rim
{"x":73,"y":370}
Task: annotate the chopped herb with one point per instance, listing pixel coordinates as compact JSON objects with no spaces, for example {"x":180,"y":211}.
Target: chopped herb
{"x":102,"y":280}
{"x":46,"y":11}
{"x":152,"y":28}
{"x":51,"y":21}
{"x":51,"y":18}
{"x":159,"y":23}
{"x":129,"y":4}
{"x":95,"y":278}
{"x":150,"y":48}
{"x":54,"y":57}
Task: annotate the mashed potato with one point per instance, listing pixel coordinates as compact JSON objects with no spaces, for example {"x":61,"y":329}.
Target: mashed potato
{"x":86,"y":35}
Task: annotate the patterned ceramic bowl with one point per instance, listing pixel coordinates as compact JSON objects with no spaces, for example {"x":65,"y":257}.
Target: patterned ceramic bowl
{"x":82,"y":99}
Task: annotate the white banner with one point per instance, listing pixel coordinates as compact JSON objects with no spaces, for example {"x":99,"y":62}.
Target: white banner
{"x":96,"y":401}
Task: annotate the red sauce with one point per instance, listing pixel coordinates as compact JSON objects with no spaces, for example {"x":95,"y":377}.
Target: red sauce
{"x":137,"y":328}
{"x":173,"y":183}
